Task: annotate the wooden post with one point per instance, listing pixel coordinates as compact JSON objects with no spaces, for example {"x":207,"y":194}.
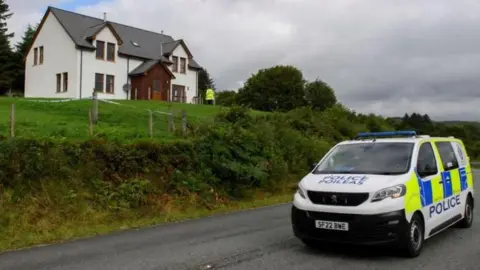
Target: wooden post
{"x":150,"y":123}
{"x":90,"y":124}
{"x":136,"y":93}
{"x":184,"y":122}
{"x":171,"y":125}
{"x":149,"y":93}
{"x":12,"y":121}
{"x":95,"y":108}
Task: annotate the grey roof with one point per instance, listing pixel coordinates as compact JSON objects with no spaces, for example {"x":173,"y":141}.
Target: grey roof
{"x":147,"y":65}
{"x":79,"y":27}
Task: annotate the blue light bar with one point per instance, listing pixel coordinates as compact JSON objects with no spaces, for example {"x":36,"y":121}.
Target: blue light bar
{"x":404,"y":133}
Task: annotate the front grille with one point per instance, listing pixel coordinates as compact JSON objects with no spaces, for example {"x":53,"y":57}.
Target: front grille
{"x":336,"y":198}
{"x":361,"y":228}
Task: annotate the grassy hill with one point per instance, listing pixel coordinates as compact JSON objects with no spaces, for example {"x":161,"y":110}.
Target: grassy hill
{"x":37,"y":118}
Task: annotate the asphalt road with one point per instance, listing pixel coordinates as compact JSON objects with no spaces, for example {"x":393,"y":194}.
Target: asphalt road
{"x":257,"y":239}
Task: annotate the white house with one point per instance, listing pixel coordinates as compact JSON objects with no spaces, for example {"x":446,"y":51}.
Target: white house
{"x":73,"y":55}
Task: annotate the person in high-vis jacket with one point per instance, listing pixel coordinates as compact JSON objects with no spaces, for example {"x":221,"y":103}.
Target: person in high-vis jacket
{"x":210,"y":96}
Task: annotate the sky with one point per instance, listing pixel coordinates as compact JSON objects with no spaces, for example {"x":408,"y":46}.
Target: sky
{"x":385,"y":57}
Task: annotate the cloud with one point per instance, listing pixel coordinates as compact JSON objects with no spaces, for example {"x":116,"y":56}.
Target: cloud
{"x":381,"y":56}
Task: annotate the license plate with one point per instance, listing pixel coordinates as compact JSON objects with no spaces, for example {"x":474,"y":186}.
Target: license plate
{"x":331,"y":225}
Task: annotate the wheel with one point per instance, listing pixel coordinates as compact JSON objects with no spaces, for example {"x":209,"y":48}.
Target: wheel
{"x":414,"y":237}
{"x":467,"y":219}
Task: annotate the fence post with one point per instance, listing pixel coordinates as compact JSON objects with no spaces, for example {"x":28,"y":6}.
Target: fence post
{"x":149,"y":93}
{"x":150,"y":123}
{"x":12,"y":121}
{"x":135,"y":93}
{"x":90,"y":125}
{"x":95,"y":107}
{"x":184,"y":122}
{"x":171,"y":125}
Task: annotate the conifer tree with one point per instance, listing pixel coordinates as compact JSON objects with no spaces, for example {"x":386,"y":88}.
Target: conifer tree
{"x":7,"y":66}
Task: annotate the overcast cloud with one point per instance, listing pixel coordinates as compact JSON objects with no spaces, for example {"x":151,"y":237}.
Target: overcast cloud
{"x":382,"y":56}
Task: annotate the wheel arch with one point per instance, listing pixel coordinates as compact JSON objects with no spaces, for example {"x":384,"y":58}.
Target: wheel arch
{"x":422,"y":218}
{"x":470,"y":196}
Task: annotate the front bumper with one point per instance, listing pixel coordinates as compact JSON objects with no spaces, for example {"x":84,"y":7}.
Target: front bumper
{"x":376,"y":229}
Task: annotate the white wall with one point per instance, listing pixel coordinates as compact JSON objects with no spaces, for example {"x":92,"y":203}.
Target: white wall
{"x":189,"y":79}
{"x":92,"y":65}
{"x":59,"y":56}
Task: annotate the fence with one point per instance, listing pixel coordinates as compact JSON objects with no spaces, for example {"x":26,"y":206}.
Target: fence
{"x":94,"y":119}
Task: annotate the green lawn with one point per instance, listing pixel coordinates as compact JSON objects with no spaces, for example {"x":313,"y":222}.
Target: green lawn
{"x":69,"y":120}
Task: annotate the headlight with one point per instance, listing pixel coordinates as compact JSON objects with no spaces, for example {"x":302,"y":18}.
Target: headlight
{"x":390,"y":192}
{"x":301,"y":192}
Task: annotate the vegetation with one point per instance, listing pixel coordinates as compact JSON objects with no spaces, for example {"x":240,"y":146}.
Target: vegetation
{"x":280,"y":88}
{"x":6,"y":54}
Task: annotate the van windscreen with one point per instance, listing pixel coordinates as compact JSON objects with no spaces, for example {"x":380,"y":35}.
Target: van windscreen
{"x":388,"y":158}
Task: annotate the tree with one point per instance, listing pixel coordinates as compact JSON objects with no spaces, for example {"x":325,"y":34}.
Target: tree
{"x":276,"y":88}
{"x":204,"y":82}
{"x":20,"y":53}
{"x":6,"y":54}
{"x":320,"y":95}
{"x":226,"y":98}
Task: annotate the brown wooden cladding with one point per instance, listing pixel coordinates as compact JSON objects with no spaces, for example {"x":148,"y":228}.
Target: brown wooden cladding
{"x":157,"y":78}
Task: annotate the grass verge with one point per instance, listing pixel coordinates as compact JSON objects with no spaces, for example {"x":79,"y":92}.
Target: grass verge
{"x":37,"y":221}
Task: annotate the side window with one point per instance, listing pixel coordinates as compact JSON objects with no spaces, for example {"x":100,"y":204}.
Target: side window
{"x":426,"y":163}
{"x":447,"y":154}
{"x":461,"y":155}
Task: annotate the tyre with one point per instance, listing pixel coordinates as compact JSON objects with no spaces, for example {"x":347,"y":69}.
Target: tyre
{"x":414,"y":237}
{"x":467,"y":219}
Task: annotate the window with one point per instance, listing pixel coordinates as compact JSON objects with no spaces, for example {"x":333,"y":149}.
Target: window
{"x":100,"y":50}
{"x":175,"y":63}
{"x":183,"y":65}
{"x":426,"y":163}
{"x":41,"y":55}
{"x":59,"y":82}
{"x":368,"y":158}
{"x":111,"y":52}
{"x":35,"y":56}
{"x":462,"y":155}
{"x":178,"y":93}
{"x":447,"y":154}
{"x":110,"y":84}
{"x":98,"y":82}
{"x":65,"y":81}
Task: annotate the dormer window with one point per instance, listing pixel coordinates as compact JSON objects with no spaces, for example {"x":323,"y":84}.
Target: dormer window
{"x":175,"y":63}
{"x":111,"y":52}
{"x":183,"y":65}
{"x":100,"y":50}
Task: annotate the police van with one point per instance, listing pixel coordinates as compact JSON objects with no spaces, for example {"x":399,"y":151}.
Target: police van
{"x":394,"y":187}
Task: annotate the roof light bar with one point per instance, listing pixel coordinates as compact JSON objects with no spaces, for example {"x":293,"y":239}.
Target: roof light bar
{"x":402,"y":133}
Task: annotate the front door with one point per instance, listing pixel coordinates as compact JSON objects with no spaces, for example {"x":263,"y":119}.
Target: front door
{"x":156,"y":91}
{"x":431,"y":188}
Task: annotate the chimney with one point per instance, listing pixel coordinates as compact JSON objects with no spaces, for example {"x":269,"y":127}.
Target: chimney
{"x":104,"y":16}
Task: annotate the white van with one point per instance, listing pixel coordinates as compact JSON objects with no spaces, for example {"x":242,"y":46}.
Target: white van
{"x":385,"y":188}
